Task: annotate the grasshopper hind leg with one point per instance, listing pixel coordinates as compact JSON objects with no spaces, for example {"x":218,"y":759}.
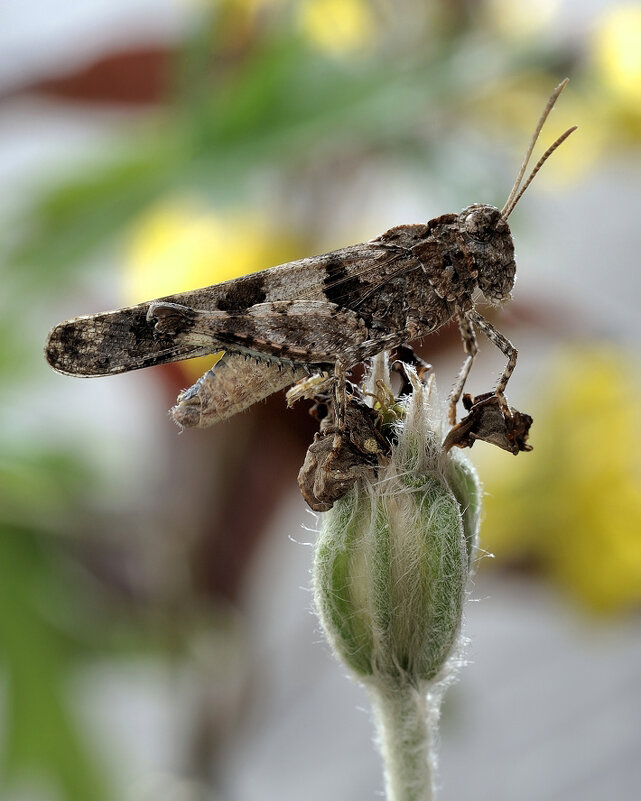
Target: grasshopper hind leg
{"x":232,"y":385}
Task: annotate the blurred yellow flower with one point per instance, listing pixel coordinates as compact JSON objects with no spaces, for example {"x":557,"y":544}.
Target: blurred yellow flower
{"x":337,"y":26}
{"x":573,"y":506}
{"x":514,"y":106}
{"x":522,"y":19}
{"x":179,"y":245}
{"x":617,"y":49}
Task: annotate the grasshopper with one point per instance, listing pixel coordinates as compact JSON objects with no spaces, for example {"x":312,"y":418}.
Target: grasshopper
{"x":323,"y":314}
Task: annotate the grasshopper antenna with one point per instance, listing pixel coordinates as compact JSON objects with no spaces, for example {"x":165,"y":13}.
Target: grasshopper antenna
{"x":513,"y":197}
{"x":539,"y":164}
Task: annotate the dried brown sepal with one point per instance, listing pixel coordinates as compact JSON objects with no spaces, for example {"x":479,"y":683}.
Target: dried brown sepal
{"x":327,"y":474}
{"x":401,"y":356}
{"x":487,"y":421}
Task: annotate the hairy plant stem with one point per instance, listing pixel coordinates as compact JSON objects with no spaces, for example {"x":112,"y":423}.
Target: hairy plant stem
{"x":404,"y":720}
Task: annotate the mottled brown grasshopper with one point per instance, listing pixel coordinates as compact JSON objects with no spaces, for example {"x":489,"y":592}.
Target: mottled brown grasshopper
{"x":323,"y":314}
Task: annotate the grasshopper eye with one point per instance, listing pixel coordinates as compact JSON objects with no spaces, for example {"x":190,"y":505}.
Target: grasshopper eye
{"x":480,"y":224}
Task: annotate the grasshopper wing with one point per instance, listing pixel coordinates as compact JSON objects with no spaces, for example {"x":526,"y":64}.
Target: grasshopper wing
{"x":294,"y":331}
{"x":115,"y":342}
{"x":119,"y":341}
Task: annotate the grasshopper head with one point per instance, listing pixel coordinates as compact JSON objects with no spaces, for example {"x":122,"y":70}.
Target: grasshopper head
{"x":489,"y":241}
{"x":486,"y":229}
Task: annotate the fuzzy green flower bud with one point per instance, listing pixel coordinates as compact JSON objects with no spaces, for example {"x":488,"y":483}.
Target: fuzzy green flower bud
{"x":391,"y":568}
{"x":393,"y":557}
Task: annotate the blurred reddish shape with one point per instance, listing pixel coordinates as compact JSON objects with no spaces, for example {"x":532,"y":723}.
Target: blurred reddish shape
{"x":130,"y":77}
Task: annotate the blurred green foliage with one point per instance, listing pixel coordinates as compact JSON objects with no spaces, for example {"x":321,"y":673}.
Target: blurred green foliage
{"x":280,"y":104}
{"x":39,"y":644}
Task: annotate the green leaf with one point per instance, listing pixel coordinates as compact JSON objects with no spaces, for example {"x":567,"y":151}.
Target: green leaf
{"x":42,"y":740}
